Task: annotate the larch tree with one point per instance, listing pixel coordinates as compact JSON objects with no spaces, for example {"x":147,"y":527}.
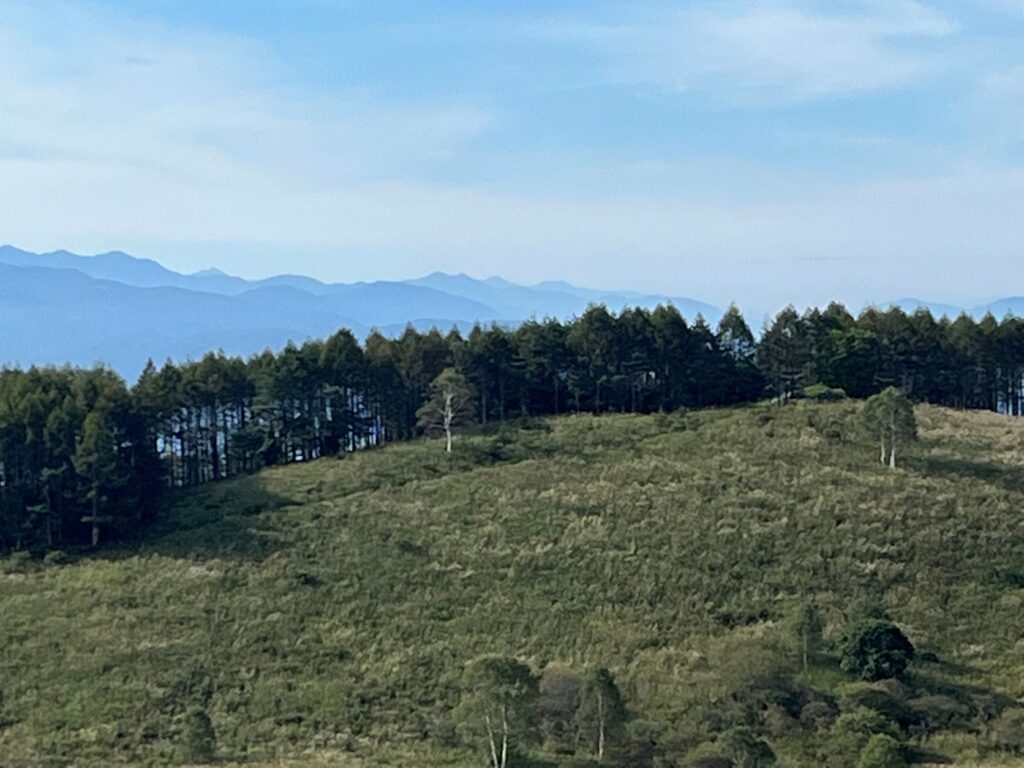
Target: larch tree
{"x":889,"y":418}
{"x":785,"y":354}
{"x":449,"y":405}
{"x":95,"y":460}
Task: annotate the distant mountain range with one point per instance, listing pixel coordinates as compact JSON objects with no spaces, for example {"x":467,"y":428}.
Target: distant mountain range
{"x":114,"y":308}
{"x":1000,"y":308}
{"x":121,"y":310}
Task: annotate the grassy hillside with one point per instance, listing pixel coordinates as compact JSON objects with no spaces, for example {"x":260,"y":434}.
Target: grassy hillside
{"x":323,"y":613}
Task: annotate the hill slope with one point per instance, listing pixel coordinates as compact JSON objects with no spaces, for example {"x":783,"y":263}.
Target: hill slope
{"x":328,"y":609}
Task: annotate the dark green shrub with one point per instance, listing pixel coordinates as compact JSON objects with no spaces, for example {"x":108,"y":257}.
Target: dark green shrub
{"x":712,"y":761}
{"x":745,"y":749}
{"x":199,"y":739}
{"x":558,"y":703}
{"x":875,"y":650}
{"x":817,"y":715}
{"x":877,"y":698}
{"x":938,"y":713}
{"x":708,"y":754}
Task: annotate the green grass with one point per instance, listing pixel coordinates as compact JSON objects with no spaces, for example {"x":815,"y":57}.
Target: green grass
{"x":322,"y":613}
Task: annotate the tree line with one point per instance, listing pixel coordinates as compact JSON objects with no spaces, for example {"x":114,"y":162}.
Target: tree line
{"x":83,"y":456}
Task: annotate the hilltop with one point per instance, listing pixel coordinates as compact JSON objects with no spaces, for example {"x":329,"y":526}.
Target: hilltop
{"x":324,"y":612}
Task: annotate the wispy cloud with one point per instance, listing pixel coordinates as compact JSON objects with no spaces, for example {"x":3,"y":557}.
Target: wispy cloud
{"x":200,"y":106}
{"x":779,"y":50}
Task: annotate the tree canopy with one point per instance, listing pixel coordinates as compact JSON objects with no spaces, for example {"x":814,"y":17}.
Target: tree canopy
{"x":497,"y":708}
{"x":875,"y":649}
{"x":889,"y":418}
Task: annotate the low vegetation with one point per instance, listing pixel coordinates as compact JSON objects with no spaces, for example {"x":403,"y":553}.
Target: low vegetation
{"x":740,"y":587}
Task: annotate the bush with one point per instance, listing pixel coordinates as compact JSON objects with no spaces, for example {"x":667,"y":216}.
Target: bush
{"x":853,"y":731}
{"x":817,"y":715}
{"x":708,"y":754}
{"x":56,"y":557}
{"x":711,"y":761}
{"x":875,"y":650}
{"x":16,"y":563}
{"x":1008,"y":731}
{"x":745,"y":749}
{"x":938,"y":713}
{"x":876,"y":698}
{"x":824,"y":392}
{"x":882,"y":751}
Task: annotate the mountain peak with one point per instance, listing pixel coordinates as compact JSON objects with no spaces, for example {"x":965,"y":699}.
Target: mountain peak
{"x":210,"y":272}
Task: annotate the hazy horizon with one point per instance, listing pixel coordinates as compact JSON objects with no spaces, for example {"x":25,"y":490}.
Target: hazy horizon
{"x":763,"y":153}
{"x":755,"y":313}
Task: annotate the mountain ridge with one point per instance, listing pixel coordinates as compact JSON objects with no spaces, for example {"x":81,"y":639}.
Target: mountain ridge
{"x":116,"y":308}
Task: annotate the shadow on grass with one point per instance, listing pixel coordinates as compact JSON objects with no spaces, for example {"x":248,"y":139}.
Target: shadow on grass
{"x":919,"y":756}
{"x":218,"y":520}
{"x":1008,"y":478}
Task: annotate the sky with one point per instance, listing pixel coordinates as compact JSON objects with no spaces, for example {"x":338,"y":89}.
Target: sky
{"x":764,"y":152}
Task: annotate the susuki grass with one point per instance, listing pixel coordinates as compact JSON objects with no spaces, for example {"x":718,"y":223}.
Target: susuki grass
{"x":322,"y":613}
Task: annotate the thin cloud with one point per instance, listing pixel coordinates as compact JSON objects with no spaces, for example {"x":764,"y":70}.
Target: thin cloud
{"x":204,"y":107}
{"x":770,"y":51}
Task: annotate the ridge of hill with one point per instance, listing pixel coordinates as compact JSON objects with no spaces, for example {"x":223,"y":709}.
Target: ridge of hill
{"x":324,"y":611}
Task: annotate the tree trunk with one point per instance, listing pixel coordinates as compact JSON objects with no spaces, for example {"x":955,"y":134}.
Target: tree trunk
{"x":49,"y":514}
{"x":96,"y":519}
{"x":504,"y":737}
{"x":491,"y":743}
{"x":892,"y":441}
{"x":214,"y":443}
{"x":448,"y":422}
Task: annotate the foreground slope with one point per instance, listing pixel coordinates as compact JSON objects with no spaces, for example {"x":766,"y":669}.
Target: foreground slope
{"x":329,"y":608}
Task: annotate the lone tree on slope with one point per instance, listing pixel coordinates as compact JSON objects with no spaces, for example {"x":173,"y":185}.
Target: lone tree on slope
{"x":889,"y":418}
{"x":602,"y":714}
{"x":497,"y":708}
{"x":875,"y":650}
{"x":449,"y":405}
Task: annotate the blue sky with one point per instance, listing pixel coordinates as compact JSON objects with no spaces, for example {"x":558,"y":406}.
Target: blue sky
{"x":764,"y":152}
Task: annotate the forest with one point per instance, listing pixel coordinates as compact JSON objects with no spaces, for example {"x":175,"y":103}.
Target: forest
{"x":85,"y":458}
